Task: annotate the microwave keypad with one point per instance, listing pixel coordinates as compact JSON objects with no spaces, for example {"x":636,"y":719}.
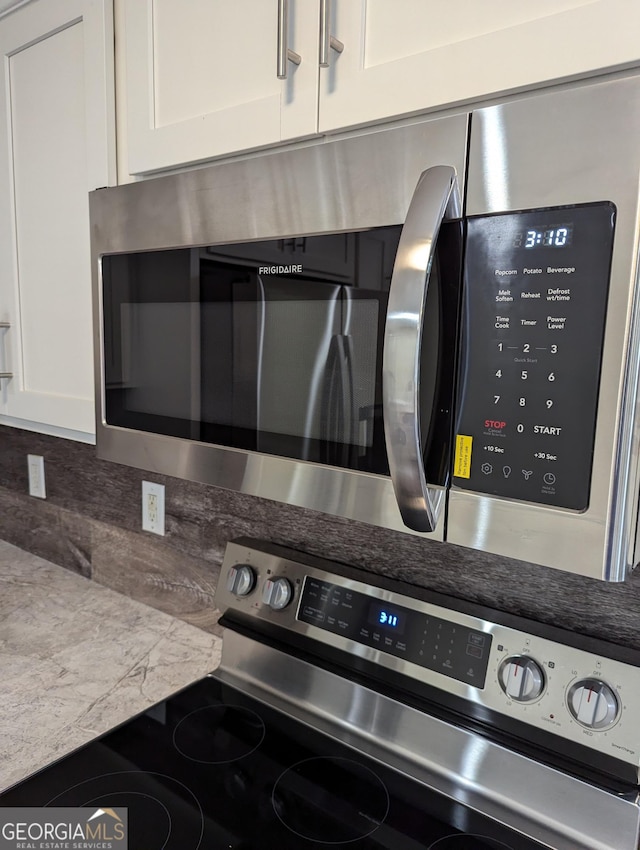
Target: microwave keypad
{"x":536,"y":288}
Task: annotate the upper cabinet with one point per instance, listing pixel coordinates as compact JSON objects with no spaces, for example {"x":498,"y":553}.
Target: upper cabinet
{"x":57,"y":142}
{"x":200,"y":79}
{"x":406,"y":57}
{"x":204,"y":78}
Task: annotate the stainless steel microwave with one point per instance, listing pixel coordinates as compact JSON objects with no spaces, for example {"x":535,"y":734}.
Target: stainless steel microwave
{"x":432,"y":327}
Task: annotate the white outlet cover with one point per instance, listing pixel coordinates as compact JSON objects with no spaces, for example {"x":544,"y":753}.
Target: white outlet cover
{"x":37,"y":486}
{"x":153,"y":521}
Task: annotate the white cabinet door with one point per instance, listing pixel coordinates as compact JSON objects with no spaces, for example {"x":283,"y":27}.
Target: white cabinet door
{"x":200,"y":78}
{"x":57,"y":142}
{"x":407,"y":56}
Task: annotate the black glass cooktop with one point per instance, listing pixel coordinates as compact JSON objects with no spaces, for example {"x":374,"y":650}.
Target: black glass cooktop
{"x":215,"y":769}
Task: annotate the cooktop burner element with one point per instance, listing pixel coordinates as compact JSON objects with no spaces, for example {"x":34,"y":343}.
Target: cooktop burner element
{"x":219,"y":734}
{"x":163,"y":814}
{"x":330,"y":800}
{"x":468,"y":842}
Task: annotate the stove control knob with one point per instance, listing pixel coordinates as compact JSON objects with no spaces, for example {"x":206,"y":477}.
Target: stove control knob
{"x":593,"y":704}
{"x":277,"y":593}
{"x":241,"y":580}
{"x":521,"y":678}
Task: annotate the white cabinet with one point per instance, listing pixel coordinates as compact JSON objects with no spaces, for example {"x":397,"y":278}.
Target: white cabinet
{"x":57,"y":142}
{"x":199,"y":78}
{"x":415,"y":55}
{"x":201,"y":81}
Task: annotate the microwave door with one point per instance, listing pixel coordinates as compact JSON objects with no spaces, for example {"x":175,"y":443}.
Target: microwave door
{"x":419,"y":350}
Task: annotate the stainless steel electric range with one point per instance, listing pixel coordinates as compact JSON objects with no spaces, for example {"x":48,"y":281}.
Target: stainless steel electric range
{"x":371,"y":715}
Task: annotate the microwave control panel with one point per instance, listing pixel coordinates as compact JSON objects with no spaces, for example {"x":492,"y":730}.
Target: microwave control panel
{"x":535,"y":299}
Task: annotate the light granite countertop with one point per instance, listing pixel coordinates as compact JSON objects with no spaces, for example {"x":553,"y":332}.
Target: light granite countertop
{"x":77,"y":659}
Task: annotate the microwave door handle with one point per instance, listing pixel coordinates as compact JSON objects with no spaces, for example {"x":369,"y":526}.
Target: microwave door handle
{"x":435,"y":199}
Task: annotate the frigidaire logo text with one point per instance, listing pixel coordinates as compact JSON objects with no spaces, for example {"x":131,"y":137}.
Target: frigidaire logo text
{"x":64,"y":828}
{"x":293,"y":269}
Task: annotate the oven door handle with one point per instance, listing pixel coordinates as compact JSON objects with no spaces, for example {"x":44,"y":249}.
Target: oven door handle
{"x":436,"y":198}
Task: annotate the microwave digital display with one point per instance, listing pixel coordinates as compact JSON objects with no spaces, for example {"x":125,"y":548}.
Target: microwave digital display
{"x":543,"y":236}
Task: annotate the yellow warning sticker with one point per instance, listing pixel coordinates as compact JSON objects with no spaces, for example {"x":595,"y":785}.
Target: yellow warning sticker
{"x":462,"y":460}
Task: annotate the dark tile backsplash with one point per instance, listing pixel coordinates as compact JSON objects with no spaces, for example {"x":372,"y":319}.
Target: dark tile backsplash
{"x":90,"y":523}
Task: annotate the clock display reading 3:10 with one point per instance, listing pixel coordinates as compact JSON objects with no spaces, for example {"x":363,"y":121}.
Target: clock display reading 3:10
{"x":546,"y":237}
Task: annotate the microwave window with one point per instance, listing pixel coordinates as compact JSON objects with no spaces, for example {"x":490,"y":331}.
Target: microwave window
{"x":274,"y":347}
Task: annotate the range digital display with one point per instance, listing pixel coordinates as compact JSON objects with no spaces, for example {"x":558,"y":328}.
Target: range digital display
{"x":387,"y":617}
{"x":435,"y":643}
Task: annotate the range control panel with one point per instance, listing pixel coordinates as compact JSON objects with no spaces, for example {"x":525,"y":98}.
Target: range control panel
{"x":585,"y":697}
{"x":536,"y":289}
{"x":433,"y":642}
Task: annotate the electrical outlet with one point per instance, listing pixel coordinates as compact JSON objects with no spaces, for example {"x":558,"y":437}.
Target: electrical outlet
{"x":35,"y":465}
{"x":153,"y":507}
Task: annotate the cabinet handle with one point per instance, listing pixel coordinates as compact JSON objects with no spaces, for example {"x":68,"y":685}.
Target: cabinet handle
{"x":7,"y":375}
{"x":284,"y":54}
{"x":327,"y":41}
